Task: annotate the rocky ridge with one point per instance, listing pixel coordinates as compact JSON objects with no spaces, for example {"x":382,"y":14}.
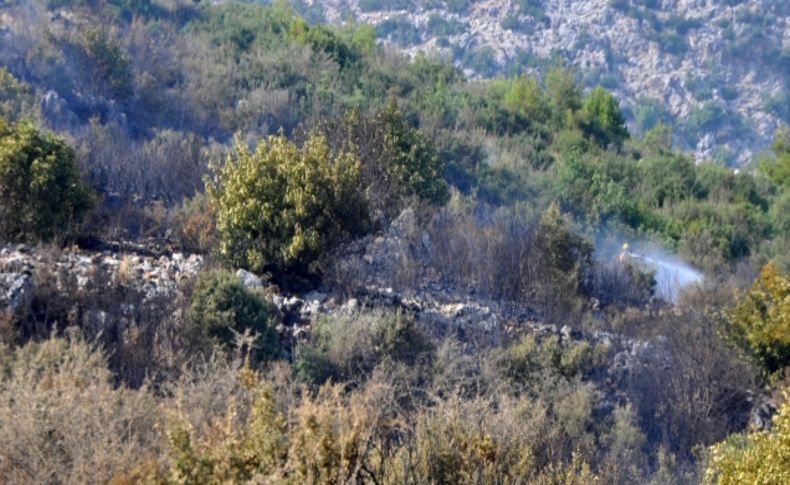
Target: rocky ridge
{"x":440,"y":307}
{"x":718,"y":71}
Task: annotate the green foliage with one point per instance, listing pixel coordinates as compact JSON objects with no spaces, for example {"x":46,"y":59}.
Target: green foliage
{"x":284,"y":208}
{"x":760,"y":323}
{"x":41,"y":193}
{"x":649,"y":112}
{"x":568,"y":255}
{"x":108,"y":63}
{"x":222,"y":309}
{"x":525,"y":98}
{"x":778,"y":168}
{"x":709,"y":115}
{"x":439,"y":26}
{"x":398,"y":161}
{"x":563,"y":91}
{"x":16,"y":98}
{"x":601,"y":119}
{"x":529,"y":361}
{"x":399,"y":30}
{"x":757,"y":457}
{"x":324,"y":40}
{"x":482,"y":60}
{"x":412,"y":158}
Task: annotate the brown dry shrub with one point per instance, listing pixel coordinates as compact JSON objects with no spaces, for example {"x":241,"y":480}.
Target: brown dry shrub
{"x":141,"y":337}
{"x":62,"y":420}
{"x":513,"y":256}
{"x":8,"y":331}
{"x":194,"y":224}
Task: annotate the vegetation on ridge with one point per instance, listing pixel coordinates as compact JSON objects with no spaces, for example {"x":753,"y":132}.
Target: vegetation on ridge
{"x":242,"y":131}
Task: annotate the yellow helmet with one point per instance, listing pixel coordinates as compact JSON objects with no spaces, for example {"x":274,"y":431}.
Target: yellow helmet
{"x":625,"y":247}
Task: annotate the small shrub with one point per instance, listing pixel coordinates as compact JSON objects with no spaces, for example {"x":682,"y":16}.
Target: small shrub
{"x":222,"y":308}
{"x":529,"y":361}
{"x":16,"y":97}
{"x":108,"y":63}
{"x":41,"y":193}
{"x":398,"y":30}
{"x":399,"y":162}
{"x":347,"y":347}
{"x":195,"y":224}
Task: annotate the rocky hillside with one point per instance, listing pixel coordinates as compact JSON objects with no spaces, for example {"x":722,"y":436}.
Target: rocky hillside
{"x":717,"y":69}
{"x":107,"y":292}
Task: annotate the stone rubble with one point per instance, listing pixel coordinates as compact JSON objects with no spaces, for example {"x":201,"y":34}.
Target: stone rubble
{"x":153,"y":276}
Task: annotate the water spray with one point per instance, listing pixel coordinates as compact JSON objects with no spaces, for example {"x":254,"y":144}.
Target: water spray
{"x":671,"y":274}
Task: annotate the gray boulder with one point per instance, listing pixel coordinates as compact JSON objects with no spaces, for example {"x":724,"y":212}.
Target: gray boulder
{"x":249,"y":280}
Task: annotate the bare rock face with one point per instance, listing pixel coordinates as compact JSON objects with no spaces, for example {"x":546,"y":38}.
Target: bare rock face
{"x":15,"y":291}
{"x":717,"y":71}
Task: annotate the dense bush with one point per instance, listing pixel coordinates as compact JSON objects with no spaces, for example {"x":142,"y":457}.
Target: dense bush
{"x":398,"y":162}
{"x":108,"y":63}
{"x":529,"y":363}
{"x":16,"y":98}
{"x":778,"y":167}
{"x":223,"y":310}
{"x":760,"y":323}
{"x":283,"y":208}
{"x":41,"y":193}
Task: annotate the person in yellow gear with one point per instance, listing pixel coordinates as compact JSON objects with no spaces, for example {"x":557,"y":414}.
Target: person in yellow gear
{"x":623,"y":254}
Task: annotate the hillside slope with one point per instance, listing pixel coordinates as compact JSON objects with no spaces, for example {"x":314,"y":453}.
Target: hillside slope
{"x":717,"y":69}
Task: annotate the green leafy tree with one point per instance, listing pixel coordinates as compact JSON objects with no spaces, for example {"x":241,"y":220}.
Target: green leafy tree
{"x":601,"y":119}
{"x":412,"y":159}
{"x":525,"y":97}
{"x":16,"y":98}
{"x":108,"y":63}
{"x":282,"y":207}
{"x":41,"y":193}
{"x":568,"y":255}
